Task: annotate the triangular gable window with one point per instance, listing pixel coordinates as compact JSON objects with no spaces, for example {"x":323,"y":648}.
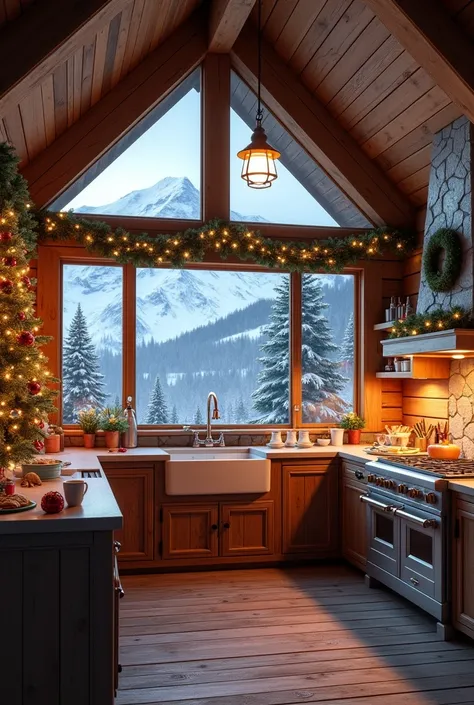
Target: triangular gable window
{"x":149,"y":172}
{"x":303,"y":194}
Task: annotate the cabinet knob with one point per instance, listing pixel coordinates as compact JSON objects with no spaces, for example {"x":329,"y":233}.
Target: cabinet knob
{"x":226,"y":525}
{"x":359,"y":474}
{"x":214,"y":527}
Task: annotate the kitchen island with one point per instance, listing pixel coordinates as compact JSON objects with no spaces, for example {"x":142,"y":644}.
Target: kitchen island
{"x":59,"y":591}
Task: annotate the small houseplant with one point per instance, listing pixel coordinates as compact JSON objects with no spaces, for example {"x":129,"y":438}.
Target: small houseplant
{"x":113,"y":423}
{"x":89,"y":420}
{"x":352,"y":424}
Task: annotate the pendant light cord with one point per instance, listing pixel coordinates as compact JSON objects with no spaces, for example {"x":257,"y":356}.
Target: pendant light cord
{"x":259,"y":65}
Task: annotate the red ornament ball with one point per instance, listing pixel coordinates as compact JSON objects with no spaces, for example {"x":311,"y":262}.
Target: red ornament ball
{"x":39,"y":445}
{"x":122,"y":450}
{"x":6,"y":236}
{"x":21,"y":315}
{"x":26,"y":338}
{"x":26,"y":281}
{"x":6,"y":286}
{"x":52,"y":503}
{"x":10,"y":261}
{"x":34,"y":387}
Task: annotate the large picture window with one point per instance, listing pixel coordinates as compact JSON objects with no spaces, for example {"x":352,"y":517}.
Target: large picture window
{"x":198,"y":330}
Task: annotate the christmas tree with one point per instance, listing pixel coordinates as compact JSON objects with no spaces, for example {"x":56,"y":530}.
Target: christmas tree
{"x":25,"y":400}
{"x":272,"y":398}
{"x":83,"y":384}
{"x":198,"y":417}
{"x":174,"y":415}
{"x":347,"y":347}
{"x":321,"y":380}
{"x":241,"y":412}
{"x":157,"y":408}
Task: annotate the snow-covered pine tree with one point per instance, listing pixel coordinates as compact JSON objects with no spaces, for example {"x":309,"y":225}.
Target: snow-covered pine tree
{"x":241,"y":412}
{"x":157,"y":413}
{"x":321,"y":381}
{"x":198,"y":417}
{"x":174,"y":415}
{"x":272,"y":397}
{"x":347,"y":347}
{"x":82,"y":380}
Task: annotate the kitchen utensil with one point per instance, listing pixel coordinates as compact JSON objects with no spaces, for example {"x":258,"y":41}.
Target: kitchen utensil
{"x":74,"y":491}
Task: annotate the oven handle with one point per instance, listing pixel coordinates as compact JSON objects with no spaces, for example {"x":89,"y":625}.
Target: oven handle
{"x":367,"y":499}
{"x":424,"y":523}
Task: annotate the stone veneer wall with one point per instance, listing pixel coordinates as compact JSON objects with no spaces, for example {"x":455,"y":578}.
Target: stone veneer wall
{"x":461,"y":405}
{"x":450,"y":206}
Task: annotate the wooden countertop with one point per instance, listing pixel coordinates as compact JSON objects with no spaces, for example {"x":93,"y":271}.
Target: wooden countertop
{"x":462,"y":486}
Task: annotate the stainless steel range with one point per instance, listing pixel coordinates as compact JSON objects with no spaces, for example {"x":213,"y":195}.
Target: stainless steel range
{"x":408,"y":509}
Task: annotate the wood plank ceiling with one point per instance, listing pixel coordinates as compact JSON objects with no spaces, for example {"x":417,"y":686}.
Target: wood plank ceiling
{"x":349,"y":60}
{"x":68,"y":90}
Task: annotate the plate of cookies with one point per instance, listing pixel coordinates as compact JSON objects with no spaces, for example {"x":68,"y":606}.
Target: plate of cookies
{"x":15,"y":503}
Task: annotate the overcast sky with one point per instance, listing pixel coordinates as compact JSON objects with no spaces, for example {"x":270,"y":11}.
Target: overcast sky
{"x":172,"y":148}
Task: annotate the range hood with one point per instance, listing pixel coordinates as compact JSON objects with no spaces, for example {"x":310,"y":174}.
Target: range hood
{"x":443,"y":343}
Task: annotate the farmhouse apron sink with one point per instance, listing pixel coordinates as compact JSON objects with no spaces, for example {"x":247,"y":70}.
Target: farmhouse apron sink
{"x":205,"y":471}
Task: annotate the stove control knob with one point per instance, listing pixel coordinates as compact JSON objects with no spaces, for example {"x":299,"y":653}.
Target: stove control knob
{"x":403,"y":489}
{"x":431,"y":498}
{"x":379,"y":481}
{"x":415,"y":494}
{"x":371,"y":478}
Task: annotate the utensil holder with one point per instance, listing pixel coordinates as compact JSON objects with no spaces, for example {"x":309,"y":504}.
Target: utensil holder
{"x":421,"y":444}
{"x":337,"y":436}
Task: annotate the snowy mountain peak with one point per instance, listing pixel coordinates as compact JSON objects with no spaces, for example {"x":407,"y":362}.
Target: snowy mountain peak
{"x":171,"y":197}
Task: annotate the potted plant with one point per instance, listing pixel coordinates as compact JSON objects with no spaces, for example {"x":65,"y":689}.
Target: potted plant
{"x":113,"y":423}
{"x":89,"y":422}
{"x":353,"y":425}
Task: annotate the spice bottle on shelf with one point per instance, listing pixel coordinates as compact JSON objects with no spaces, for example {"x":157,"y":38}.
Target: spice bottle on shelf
{"x":408,"y":308}
{"x":393,"y":309}
{"x":389,"y":367}
{"x":400,"y":309}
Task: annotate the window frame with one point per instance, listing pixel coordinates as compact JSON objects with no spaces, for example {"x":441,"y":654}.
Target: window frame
{"x":51,"y":261}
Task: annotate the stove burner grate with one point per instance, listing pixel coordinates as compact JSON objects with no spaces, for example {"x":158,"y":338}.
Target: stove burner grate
{"x":436,"y":466}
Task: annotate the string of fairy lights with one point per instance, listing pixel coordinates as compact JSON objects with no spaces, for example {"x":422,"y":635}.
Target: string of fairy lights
{"x":223,"y":239}
{"x":436,"y":320}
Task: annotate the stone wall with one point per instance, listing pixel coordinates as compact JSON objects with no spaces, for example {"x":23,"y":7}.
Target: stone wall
{"x":450,"y":206}
{"x":461,"y":405}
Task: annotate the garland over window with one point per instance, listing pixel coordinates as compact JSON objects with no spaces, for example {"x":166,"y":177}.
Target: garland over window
{"x":444,"y":279}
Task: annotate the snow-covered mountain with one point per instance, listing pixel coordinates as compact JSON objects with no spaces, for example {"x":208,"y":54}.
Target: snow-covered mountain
{"x":171,"y":197}
{"x":169,"y":301}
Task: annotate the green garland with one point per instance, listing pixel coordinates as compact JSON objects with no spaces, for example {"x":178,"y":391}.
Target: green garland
{"x":448,"y":241}
{"x":419,"y":323}
{"x":224,"y":240}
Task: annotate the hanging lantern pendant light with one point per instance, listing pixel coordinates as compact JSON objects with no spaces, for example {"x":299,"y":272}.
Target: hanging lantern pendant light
{"x":259,"y":168}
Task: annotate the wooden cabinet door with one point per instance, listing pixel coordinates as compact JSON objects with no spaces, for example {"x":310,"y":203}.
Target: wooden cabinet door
{"x":247,"y":529}
{"x":133,"y":490}
{"x":354,"y":521}
{"x":463,"y":573}
{"x":310,"y":509}
{"x":190,"y":531}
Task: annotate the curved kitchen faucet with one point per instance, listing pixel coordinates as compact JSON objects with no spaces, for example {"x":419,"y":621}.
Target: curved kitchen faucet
{"x":208,"y":442}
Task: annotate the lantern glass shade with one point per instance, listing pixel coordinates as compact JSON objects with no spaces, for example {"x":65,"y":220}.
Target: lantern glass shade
{"x":259,"y":168}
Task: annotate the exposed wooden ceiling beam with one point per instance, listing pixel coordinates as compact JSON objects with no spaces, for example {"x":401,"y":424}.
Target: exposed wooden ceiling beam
{"x":320,"y":134}
{"x":45,"y":36}
{"x":227,"y":17}
{"x":436,"y":42}
{"x":102,"y":126}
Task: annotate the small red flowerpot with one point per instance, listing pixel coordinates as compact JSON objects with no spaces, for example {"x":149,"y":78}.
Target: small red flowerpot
{"x":353,"y":436}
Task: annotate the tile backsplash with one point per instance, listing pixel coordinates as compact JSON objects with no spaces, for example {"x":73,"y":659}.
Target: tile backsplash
{"x":461,"y":405}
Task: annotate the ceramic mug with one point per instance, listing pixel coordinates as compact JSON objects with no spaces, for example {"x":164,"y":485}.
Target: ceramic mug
{"x":290,"y":439}
{"x":337,"y":436}
{"x":74,"y":491}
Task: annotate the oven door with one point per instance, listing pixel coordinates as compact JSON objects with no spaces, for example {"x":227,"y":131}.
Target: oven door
{"x":383,"y":533}
{"x":421,"y":560}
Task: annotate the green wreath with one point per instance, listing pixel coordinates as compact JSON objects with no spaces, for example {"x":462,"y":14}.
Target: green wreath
{"x":449,"y":241}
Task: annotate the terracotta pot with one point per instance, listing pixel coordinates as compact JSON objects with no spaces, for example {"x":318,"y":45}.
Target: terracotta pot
{"x":353,"y":436}
{"x":112,"y":439}
{"x":89,"y":440}
{"x":52,"y":444}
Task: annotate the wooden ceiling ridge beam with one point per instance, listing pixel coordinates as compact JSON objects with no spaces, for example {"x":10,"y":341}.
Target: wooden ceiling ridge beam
{"x":319,"y":133}
{"x":69,"y":156}
{"x":432,"y":37}
{"x":46,"y":35}
{"x":226,"y":19}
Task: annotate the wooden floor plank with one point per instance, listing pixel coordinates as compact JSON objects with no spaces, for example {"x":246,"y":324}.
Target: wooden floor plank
{"x":283,"y":637}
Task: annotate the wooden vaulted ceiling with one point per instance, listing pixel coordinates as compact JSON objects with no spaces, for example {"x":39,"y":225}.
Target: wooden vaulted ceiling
{"x":348,"y":55}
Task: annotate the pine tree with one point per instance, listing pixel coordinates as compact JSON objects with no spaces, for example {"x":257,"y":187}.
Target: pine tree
{"x":117,"y":400}
{"x":82,"y":380}
{"x":198,"y":417}
{"x":25,"y":399}
{"x":321,"y":379}
{"x":272,"y":397}
{"x":241,"y":412}
{"x":347,"y":347}
{"x":174,"y":415}
{"x":157,"y":407}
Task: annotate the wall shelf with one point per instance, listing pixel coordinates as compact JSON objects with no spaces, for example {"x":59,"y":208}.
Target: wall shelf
{"x":422,"y":368}
{"x":395,"y":375}
{"x":436,"y":344}
{"x":384,"y":326}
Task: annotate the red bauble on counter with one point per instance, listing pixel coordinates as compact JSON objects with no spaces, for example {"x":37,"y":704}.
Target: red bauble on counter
{"x":26,"y":338}
{"x":34,"y":387}
{"x":52,"y":502}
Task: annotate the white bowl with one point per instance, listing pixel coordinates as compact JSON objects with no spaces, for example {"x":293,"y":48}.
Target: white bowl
{"x":323,"y":441}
